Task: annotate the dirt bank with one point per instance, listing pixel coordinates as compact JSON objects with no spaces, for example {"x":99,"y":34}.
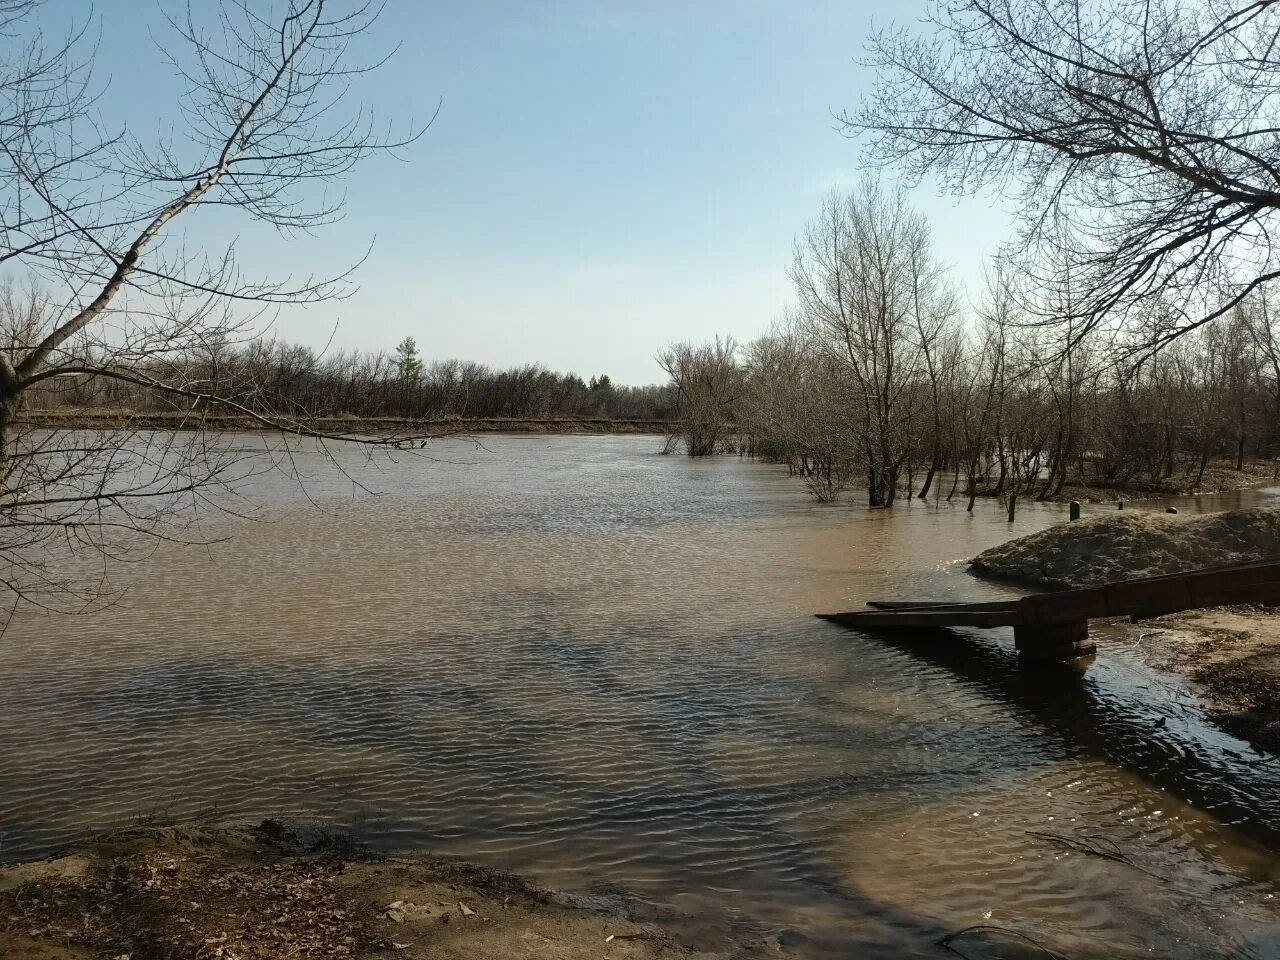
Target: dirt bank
{"x":1134,"y":543}
{"x":125,"y":420}
{"x":1219,"y":477}
{"x":263,"y":894}
{"x":1233,"y":655}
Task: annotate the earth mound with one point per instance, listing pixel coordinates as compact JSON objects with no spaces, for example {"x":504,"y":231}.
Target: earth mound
{"x":1129,"y":543}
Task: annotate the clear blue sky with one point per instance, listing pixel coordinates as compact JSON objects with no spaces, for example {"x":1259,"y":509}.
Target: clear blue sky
{"x":603,"y":177}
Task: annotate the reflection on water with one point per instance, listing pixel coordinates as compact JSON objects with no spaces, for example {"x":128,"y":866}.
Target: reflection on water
{"x":577,"y":658}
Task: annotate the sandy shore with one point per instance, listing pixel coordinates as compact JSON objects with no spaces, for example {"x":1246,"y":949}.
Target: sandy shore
{"x":220,"y":893}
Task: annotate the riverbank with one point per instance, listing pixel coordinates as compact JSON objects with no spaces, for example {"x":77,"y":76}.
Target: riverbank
{"x":1230,"y":654}
{"x":224,"y":893}
{"x":377,"y":426}
{"x":1220,"y":477}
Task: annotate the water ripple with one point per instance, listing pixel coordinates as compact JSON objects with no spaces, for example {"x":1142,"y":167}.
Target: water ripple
{"x":580,"y":659}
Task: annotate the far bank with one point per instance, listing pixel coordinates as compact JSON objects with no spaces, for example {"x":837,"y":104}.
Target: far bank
{"x":338,"y":426}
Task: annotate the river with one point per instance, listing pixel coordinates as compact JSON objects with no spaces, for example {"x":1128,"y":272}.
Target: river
{"x":582,"y":660}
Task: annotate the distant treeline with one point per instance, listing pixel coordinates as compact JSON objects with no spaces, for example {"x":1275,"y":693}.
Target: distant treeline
{"x":293,"y":380}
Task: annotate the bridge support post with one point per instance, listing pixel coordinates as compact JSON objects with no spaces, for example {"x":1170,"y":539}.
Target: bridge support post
{"x":1054,"y":641}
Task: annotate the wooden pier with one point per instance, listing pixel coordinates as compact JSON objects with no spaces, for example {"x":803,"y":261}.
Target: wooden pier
{"x":1055,"y":625}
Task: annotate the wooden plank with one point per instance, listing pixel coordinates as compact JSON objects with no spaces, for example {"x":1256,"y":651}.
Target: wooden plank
{"x":1147,"y":597}
{"x":1167,"y":593}
{"x":1231,"y":569}
{"x":1141,"y":597}
{"x":941,"y":605}
{"x":926,"y":618}
{"x":1217,"y":593}
{"x":1066,"y":605}
{"x":1187,"y":591}
{"x":1244,"y":576}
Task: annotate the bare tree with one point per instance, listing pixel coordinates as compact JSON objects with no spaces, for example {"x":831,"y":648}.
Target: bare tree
{"x":933,"y":314}
{"x":263,"y":125}
{"x":1262,"y":323}
{"x":795,"y":409}
{"x":868,"y":283}
{"x":706,"y":381}
{"x":997,"y":403}
{"x":1141,"y":134}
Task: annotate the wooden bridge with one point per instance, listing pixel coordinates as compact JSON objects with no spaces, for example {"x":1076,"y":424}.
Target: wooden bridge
{"x":1055,"y":625}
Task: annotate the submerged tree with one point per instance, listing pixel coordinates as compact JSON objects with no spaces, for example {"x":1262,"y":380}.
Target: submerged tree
{"x":796,"y":407}
{"x":262,"y":125}
{"x":706,"y":381}
{"x":878,"y":303}
{"x":1140,"y":133}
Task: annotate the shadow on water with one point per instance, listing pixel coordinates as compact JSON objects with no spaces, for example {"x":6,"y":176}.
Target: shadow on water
{"x":505,"y":749}
{"x":1093,"y":709}
{"x":861,"y":923}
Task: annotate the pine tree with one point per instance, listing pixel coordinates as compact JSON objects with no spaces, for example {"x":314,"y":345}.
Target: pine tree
{"x":408,"y":363}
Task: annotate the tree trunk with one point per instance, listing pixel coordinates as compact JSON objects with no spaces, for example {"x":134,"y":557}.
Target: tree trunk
{"x":955,"y":480}
{"x":999,"y":489}
{"x":928,"y":481}
{"x":1204,"y":462}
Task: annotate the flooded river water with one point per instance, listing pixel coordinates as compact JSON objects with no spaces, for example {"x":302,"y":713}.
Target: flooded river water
{"x":577,"y":658}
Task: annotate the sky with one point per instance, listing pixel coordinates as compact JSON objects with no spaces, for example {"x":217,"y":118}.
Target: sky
{"x":602,"y":178}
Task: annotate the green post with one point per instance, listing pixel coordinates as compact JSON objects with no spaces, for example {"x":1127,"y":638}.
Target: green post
{"x":1119,"y":504}
{"x":1075,"y":509}
{"x":1013,"y":502}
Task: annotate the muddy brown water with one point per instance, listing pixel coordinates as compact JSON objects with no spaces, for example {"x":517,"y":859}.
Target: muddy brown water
{"x":579,"y":659}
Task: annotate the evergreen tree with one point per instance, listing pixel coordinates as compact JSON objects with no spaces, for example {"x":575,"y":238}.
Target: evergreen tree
{"x":408,"y":362}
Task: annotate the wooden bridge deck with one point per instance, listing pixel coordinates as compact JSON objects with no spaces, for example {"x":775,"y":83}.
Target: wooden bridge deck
{"x":1054,"y":625}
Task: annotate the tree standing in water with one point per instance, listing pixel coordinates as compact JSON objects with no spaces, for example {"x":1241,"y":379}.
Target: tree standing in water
{"x":706,"y":380}
{"x":877,"y":303}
